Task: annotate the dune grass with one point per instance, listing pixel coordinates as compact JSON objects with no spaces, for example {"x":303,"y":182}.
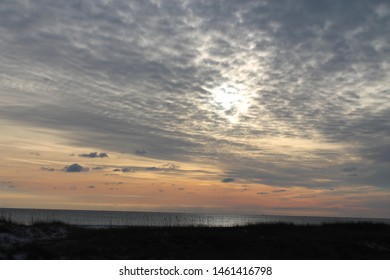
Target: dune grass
{"x":261,"y":241}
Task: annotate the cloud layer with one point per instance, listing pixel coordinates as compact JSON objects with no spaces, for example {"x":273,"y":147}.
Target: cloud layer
{"x":283,"y":93}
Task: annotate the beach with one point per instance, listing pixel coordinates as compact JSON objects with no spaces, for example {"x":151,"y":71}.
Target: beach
{"x":275,"y":241}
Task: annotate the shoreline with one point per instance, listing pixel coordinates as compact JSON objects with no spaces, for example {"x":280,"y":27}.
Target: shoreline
{"x":103,"y":218}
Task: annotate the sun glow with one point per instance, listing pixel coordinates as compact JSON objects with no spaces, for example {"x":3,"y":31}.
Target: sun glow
{"x":230,"y":100}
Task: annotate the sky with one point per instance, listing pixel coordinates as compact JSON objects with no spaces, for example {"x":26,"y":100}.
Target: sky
{"x":247,"y":107}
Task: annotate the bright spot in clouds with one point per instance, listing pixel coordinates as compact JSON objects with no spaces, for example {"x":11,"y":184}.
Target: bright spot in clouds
{"x":231,"y":100}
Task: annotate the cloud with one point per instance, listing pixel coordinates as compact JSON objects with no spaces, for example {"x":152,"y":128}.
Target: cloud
{"x":379,"y":153}
{"x":94,"y":155}
{"x":262,"y":193}
{"x":151,"y":168}
{"x":126,"y":170}
{"x":349,"y":169}
{"x":75,"y":168}
{"x":126,"y":75}
{"x":91,"y":187}
{"x":50,"y":169}
{"x":279,"y":191}
{"x":140,"y":152}
{"x":171,"y":165}
{"x":227,"y":180}
{"x":98,"y":168}
{"x":7,"y":185}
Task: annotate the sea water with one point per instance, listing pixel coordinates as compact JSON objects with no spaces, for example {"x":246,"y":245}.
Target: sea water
{"x":122,"y":218}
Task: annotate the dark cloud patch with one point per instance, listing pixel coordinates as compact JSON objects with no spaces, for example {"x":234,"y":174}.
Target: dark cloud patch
{"x":153,"y":168}
{"x":349,"y":169}
{"x":124,"y":170}
{"x":262,"y":193}
{"x":140,"y":152}
{"x":7,"y":185}
{"x":94,"y":155}
{"x":35,"y":154}
{"x":171,"y":165}
{"x":127,"y":170}
{"x":380,"y":153}
{"x":227,"y":180}
{"x":6,"y":182}
{"x":75,"y":168}
{"x":279,"y":191}
{"x":98,"y":168}
{"x":91,"y":187}
{"x":50,"y":169}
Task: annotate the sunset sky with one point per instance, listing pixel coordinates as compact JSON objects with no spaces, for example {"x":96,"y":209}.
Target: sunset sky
{"x":256,"y":107}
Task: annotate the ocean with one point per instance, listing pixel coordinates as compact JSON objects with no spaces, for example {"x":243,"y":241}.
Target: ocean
{"x":122,"y":218}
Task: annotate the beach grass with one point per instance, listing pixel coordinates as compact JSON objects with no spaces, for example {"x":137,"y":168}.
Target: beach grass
{"x":262,"y":241}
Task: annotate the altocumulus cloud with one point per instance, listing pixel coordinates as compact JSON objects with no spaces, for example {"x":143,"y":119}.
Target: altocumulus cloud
{"x":125,"y":74}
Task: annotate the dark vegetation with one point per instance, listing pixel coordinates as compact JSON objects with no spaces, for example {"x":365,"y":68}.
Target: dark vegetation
{"x":262,"y":241}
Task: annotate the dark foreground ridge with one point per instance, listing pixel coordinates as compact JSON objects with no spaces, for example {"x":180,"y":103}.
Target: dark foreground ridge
{"x":262,"y":241}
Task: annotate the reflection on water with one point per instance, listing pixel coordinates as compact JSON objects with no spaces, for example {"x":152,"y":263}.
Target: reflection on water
{"x":117,"y":218}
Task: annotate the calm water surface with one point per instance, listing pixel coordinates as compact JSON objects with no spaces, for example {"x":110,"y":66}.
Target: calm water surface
{"x":119,"y":218}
